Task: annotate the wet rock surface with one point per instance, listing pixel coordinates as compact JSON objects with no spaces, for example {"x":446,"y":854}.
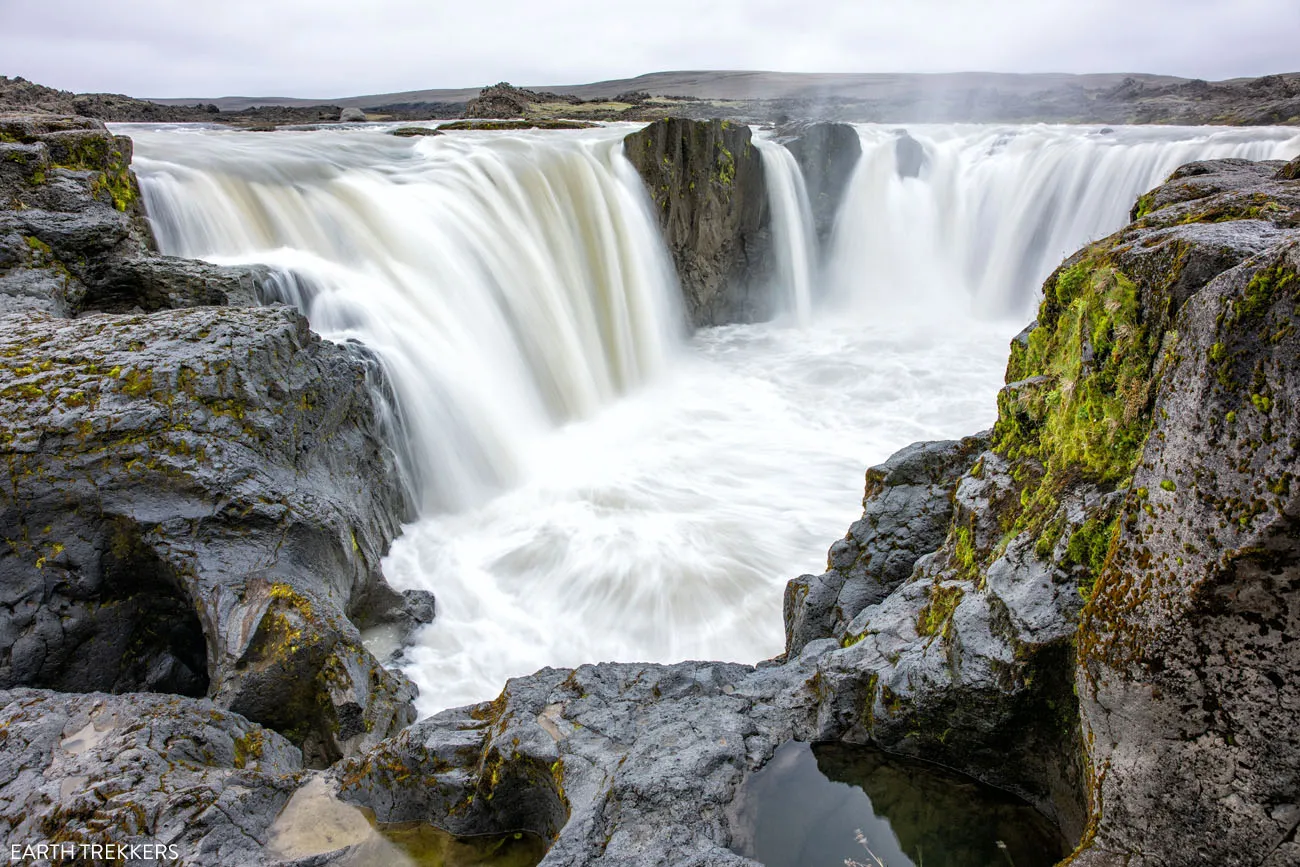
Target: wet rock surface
{"x":705,"y":179}
{"x":144,"y":770}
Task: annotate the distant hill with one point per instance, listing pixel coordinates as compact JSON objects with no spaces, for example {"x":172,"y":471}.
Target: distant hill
{"x":750,"y":97}
{"x":735,"y":85}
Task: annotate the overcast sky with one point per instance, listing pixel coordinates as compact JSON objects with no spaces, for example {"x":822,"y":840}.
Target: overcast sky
{"x":324,"y":48}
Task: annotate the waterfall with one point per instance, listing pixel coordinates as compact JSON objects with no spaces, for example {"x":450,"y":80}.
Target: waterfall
{"x":996,"y":208}
{"x":594,"y":487}
{"x":793,"y":237}
{"x":510,"y":284}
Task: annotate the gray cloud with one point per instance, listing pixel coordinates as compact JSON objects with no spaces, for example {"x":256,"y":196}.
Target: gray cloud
{"x":343,"y":47}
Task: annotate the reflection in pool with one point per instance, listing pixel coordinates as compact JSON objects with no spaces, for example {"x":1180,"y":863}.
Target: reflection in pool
{"x":807,"y":805}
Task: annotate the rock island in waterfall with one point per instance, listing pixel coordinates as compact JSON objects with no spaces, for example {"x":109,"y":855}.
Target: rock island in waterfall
{"x":461,"y":476}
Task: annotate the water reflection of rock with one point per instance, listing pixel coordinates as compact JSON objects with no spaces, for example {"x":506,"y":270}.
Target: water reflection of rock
{"x":804,"y":808}
{"x":941,"y":817}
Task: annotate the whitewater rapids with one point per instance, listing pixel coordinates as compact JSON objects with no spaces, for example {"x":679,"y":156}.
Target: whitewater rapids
{"x":592,"y":482}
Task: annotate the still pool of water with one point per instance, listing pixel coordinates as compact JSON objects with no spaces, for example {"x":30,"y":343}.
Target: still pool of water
{"x":823,"y":805}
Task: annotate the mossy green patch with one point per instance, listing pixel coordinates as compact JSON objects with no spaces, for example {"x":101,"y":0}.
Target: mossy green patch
{"x":1082,"y":409}
{"x":935,"y":617}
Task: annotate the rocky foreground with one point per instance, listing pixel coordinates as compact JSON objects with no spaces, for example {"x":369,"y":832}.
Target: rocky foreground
{"x":1095,"y":605}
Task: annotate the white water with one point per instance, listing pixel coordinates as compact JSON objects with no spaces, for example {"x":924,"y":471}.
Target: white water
{"x":793,"y":235}
{"x":508,"y":289}
{"x":596,"y":486}
{"x":996,"y":208}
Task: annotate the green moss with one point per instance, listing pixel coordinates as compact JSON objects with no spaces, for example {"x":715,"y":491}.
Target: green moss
{"x":726,"y":166}
{"x":1145,"y":205}
{"x":1084,"y":414}
{"x":248,"y":749}
{"x":1263,"y":288}
{"x":37,"y":245}
{"x":935,"y":617}
{"x":137,"y":383}
{"x":1089,"y":547}
{"x":1168,"y":485}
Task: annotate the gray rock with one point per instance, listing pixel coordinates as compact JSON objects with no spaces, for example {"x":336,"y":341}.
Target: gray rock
{"x":73,"y":236}
{"x":621,"y":764}
{"x":194,"y":501}
{"x":141,"y":769}
{"x":909,"y":155}
{"x":352,"y":115}
{"x":827,"y":154}
{"x":710,"y":197}
{"x":906,"y":511}
{"x":1189,"y":652}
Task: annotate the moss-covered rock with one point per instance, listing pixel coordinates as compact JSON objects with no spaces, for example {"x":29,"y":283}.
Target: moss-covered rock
{"x":73,"y":236}
{"x":705,"y":178}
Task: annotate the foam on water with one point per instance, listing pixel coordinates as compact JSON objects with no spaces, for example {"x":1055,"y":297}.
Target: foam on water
{"x":593,"y":484}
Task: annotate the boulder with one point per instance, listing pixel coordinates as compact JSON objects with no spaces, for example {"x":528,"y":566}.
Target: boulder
{"x":705,"y":179}
{"x":194,"y":501}
{"x":352,"y":115}
{"x":907,"y":507}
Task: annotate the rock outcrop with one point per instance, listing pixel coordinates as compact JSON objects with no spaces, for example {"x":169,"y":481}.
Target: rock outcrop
{"x":1188,"y":648}
{"x":73,"y":236}
{"x":907,"y":507}
{"x":195,"y":498}
{"x":827,"y":154}
{"x":193,"y":501}
{"x":150,"y":771}
{"x":502,"y":101}
{"x":710,"y":197}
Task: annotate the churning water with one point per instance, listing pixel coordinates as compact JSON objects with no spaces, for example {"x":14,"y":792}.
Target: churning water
{"x":594,"y":484}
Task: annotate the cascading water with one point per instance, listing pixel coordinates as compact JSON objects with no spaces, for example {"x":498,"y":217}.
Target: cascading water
{"x":595,"y":487}
{"x":996,"y":208}
{"x":793,"y":234}
{"x":508,"y":288}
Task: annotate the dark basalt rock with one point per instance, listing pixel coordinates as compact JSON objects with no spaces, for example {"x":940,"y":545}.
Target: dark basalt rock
{"x":195,"y":500}
{"x":909,"y":155}
{"x":705,"y":178}
{"x":140,"y":769}
{"x":73,"y":237}
{"x":906,"y":511}
{"x":827,"y":154}
{"x":506,"y":101}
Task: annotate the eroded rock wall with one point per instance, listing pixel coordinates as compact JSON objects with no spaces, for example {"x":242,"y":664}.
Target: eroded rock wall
{"x":705,"y":178}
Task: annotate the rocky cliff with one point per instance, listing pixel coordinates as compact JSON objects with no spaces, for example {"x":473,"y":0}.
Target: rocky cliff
{"x":195,"y":495}
{"x":706,"y":182}
{"x":827,"y":154}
